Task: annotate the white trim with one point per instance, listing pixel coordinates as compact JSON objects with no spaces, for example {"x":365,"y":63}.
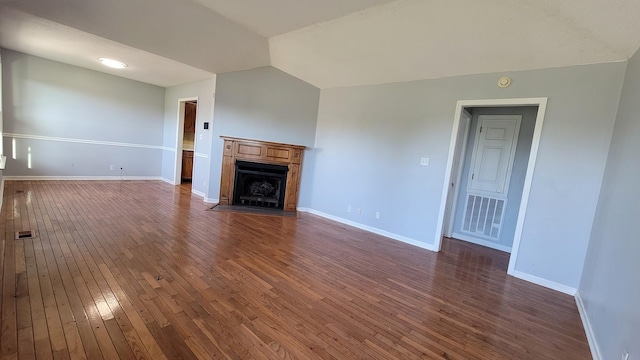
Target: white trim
{"x":486,"y":243}
{"x":3,"y":162}
{"x":201,"y":155}
{"x":541,"y":103}
{"x":85,"y":141}
{"x":546,"y":283}
{"x":588,"y":329}
{"x":461,"y":153}
{"x":447,"y":176}
{"x":168,"y":181}
{"x":211,"y":200}
{"x":198,"y":193}
{"x":526,"y":189}
{"x":177,"y":167}
{"x":381,"y":232}
{"x":65,"y":178}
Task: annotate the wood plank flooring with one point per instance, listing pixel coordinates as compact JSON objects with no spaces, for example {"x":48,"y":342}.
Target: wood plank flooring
{"x":141,"y":270}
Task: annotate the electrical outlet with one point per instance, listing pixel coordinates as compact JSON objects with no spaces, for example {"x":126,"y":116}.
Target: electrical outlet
{"x":200,"y":136}
{"x":424,"y":161}
{"x":358,"y":211}
{"x":377,"y":214}
{"x":625,"y":355}
{"x":112,"y":167}
{"x":348,"y":208}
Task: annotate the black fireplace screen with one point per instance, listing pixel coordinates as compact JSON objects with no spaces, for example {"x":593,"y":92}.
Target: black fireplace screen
{"x":259,"y":184}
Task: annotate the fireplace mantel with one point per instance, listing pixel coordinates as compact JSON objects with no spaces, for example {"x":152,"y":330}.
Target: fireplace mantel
{"x":264,"y":152}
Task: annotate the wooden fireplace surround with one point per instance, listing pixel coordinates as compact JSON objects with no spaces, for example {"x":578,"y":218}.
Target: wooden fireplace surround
{"x":261,"y":152}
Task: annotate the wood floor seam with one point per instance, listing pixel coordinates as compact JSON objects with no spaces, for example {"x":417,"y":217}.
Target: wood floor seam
{"x":141,"y":270}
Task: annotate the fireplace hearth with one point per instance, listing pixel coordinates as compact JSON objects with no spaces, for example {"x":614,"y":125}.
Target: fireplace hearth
{"x":259,"y":184}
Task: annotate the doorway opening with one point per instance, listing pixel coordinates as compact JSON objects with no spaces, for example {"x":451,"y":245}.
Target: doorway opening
{"x":185,"y":140}
{"x":492,"y":156}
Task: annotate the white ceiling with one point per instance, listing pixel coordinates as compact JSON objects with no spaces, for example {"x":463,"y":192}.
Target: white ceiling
{"x":327,"y":43}
{"x":44,"y":38}
{"x":274,"y":17}
{"x":417,"y":39}
{"x":180,"y":30}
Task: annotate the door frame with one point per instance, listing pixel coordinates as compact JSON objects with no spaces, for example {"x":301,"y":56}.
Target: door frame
{"x":456,"y":172}
{"x":541,"y":103}
{"x":177,"y":168}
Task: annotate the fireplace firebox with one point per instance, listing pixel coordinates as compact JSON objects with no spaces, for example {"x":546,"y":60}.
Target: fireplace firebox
{"x":259,"y":184}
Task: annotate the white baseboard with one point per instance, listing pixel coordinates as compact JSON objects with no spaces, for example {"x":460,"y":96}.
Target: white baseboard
{"x":199,"y":193}
{"x":593,"y":344}
{"x":544,"y":282}
{"x":519,"y":274}
{"x":168,"y":181}
{"x":114,"y":178}
{"x":211,"y":200}
{"x":484,"y":243}
{"x":371,"y":229}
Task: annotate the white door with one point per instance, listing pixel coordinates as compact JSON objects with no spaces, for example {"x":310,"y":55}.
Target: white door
{"x":493,"y":154}
{"x":490,"y":171}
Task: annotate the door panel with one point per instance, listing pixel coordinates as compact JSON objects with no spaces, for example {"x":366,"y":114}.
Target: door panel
{"x":493,"y":153}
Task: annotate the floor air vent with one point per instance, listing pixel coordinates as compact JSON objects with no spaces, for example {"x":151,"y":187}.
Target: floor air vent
{"x":25,"y":234}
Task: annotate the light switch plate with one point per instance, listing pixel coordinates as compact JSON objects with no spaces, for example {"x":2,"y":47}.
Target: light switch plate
{"x":424,"y":161}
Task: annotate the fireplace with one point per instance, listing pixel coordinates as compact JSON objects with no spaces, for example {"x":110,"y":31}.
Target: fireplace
{"x":260,"y":173}
{"x":259,"y":184}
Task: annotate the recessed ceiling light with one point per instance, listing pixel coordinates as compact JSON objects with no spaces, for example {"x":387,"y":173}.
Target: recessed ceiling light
{"x":113,"y":63}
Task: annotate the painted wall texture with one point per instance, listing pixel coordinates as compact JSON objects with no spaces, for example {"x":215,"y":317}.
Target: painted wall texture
{"x":56,"y":111}
{"x":370,"y":139}
{"x":610,"y":286}
{"x":204,"y":91}
{"x":265,"y":104}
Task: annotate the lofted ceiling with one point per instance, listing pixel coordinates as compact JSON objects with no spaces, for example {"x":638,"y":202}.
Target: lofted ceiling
{"x":274,"y":17}
{"x":328,"y":43}
{"x":44,"y":38}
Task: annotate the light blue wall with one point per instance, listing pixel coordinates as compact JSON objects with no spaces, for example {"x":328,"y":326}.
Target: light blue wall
{"x":204,"y":91}
{"x":518,"y":172}
{"x":51,"y":100}
{"x":610,"y":286}
{"x":370,"y":139}
{"x":265,"y":104}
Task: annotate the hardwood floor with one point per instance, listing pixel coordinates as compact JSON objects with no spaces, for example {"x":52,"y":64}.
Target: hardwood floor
{"x":143,"y":270}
